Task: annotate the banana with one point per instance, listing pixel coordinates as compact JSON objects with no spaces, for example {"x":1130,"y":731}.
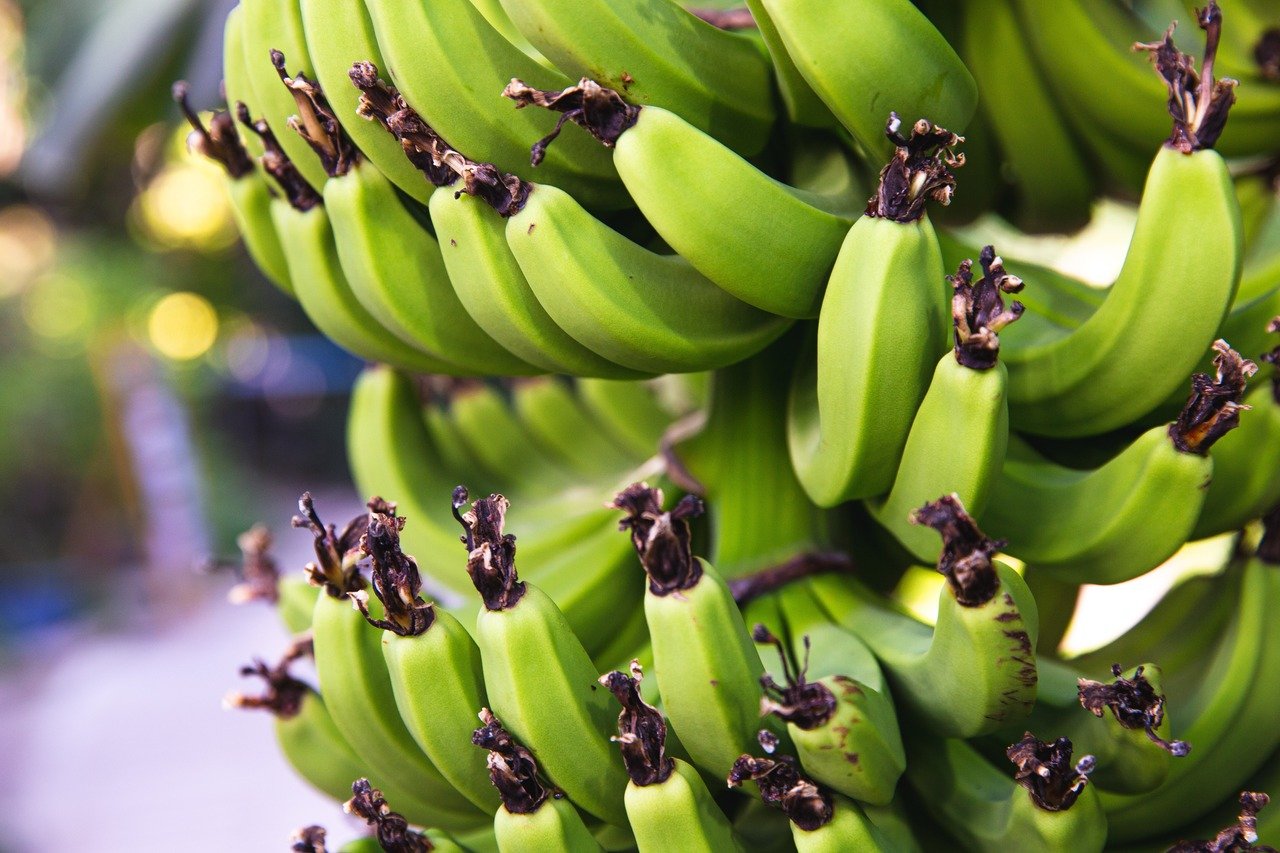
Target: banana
{"x":340,"y":35}
{"x":533,"y":816}
{"x":1129,"y":515}
{"x":707,"y":668}
{"x":391,"y":830}
{"x":1245,"y":461}
{"x":1053,"y":183}
{"x":310,"y":741}
{"x":836,"y":703}
{"x":880,"y":330}
{"x":451,"y":64}
{"x":247,"y":187}
{"x":976,"y":671}
{"x":802,"y":104}
{"x":1229,"y":723}
{"x":392,"y":263}
{"x":648,"y":312}
{"x":558,"y":421}
{"x":680,"y":178}
{"x":236,"y":88}
{"x":357,"y":686}
{"x":537,"y":674}
{"x":854,"y":57}
{"x":667,"y":802}
{"x":266,"y":26}
{"x":658,"y":54}
{"x":433,"y":663}
{"x":959,"y":435}
{"x":632,"y":413}
{"x":1047,"y":806}
{"x":820,"y":821}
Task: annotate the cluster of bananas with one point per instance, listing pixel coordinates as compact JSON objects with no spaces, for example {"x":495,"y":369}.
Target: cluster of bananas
{"x":730,"y":319}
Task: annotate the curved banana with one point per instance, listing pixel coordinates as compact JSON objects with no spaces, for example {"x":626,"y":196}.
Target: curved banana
{"x":537,"y":673}
{"x":976,"y":670}
{"x":667,"y":802}
{"x":880,"y":330}
{"x":707,"y":202}
{"x":1129,"y":515}
{"x":1048,"y":806}
{"x":556,"y":417}
{"x":451,"y":64}
{"x":236,"y":87}
{"x":659,"y":54}
{"x":854,"y":56}
{"x":634,"y":414}
{"x":266,"y":26}
{"x":707,"y":668}
{"x":648,"y":312}
{"x":802,"y":104}
{"x":959,"y":435}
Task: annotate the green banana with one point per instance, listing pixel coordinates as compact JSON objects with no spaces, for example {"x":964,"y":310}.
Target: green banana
{"x":959,"y":435}
{"x":803,"y":106}
{"x":707,"y":202}
{"x":976,"y":670}
{"x":451,"y":64}
{"x":433,"y":663}
{"x":266,"y":26}
{"x":537,"y":674}
{"x":236,"y":88}
{"x":820,"y":821}
{"x":392,"y":263}
{"x":658,"y":54}
{"x":880,"y":330}
{"x":247,"y":187}
{"x":648,"y":312}
{"x":855,"y":57}
{"x":391,"y":830}
{"x":558,"y":421}
{"x":340,"y":35}
{"x":357,"y":686}
{"x":836,"y":703}
{"x":667,"y":802}
{"x":533,"y":816}
{"x":1129,"y":515}
{"x":1047,"y":806}
{"x":310,"y":741}
{"x":634,"y":414}
{"x":707,"y":669}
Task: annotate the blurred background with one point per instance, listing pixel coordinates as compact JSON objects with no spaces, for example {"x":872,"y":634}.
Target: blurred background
{"x":157,"y":397}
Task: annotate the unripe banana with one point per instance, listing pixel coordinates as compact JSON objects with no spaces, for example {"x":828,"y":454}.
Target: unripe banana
{"x":959,"y":435}
{"x":880,"y":331}
{"x":707,"y":668}
{"x":536,"y":672}
{"x":532,"y":816}
{"x":667,"y":802}
{"x":976,"y":671}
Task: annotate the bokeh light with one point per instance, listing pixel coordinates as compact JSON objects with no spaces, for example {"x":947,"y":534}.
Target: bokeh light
{"x":60,"y":308}
{"x":182,"y":326}
{"x":186,"y":207}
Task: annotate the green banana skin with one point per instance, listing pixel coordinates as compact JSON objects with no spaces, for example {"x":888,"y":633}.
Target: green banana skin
{"x":235,"y":77}
{"x":438,"y":685}
{"x":340,"y":34}
{"x":852,"y":75}
{"x":555,"y":827}
{"x":678,"y":814}
{"x":542,"y":682}
{"x":631,"y":413}
{"x":1178,"y":281}
{"x":488,"y":280}
{"x":314,"y":747}
{"x":648,"y":312}
{"x":1110,"y":524}
{"x":987,"y":811}
{"x":396,"y":270}
{"x":849,"y":829}
{"x":956,"y":445}
{"x":708,"y":670}
{"x":277,"y":25}
{"x":858,"y":750}
{"x":803,"y":106}
{"x":359,"y":694}
{"x":327,"y":299}
{"x":1245,"y":464}
{"x":879,"y":335}
{"x":450,"y":65}
{"x":250,"y":197}
{"x":680,"y":178}
{"x":1053,"y":182}
{"x":974,"y":673}
{"x":555,"y":415}
{"x":295,"y":602}
{"x":659,"y":55}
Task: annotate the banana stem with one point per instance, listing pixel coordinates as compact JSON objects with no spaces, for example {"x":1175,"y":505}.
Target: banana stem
{"x":315,"y":121}
{"x":219,"y":142}
{"x":259,"y":573}
{"x":767,"y":580}
{"x":599,"y":111}
{"x":1046,"y":771}
{"x":396,"y":580}
{"x":276,"y":163}
{"x":642,"y":732}
{"x":966,"y":550}
{"x":783,"y":787}
{"x":1134,"y":703}
{"x":491,"y":553}
{"x":284,"y":694}
{"x":661,"y":539}
{"x":391,"y":829}
{"x":336,"y":568}
{"x":978,"y":312}
{"x":512,"y":768}
{"x":1214,"y":407}
{"x":920,"y":170}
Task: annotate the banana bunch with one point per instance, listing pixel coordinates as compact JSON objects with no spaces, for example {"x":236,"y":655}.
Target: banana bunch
{"x":602,"y":253}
